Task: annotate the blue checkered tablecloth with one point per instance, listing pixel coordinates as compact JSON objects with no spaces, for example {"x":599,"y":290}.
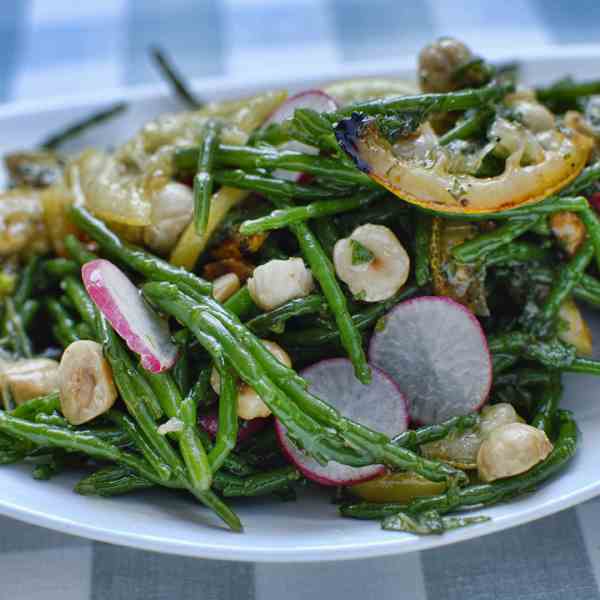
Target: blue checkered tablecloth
{"x":60,"y":47}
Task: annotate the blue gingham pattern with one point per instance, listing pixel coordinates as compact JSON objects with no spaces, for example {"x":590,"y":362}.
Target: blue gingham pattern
{"x":60,"y":47}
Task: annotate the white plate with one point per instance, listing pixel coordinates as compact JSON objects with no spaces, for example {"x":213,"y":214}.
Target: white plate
{"x":309,"y":529}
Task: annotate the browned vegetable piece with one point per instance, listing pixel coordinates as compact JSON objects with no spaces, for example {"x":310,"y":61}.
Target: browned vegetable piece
{"x":37,"y":169}
{"x":462,"y":282}
{"x":569,"y":230}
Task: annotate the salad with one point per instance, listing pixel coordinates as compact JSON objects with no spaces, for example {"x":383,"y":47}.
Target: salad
{"x":373,"y":287}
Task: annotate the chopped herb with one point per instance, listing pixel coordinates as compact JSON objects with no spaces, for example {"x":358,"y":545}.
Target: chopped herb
{"x":360,"y":254}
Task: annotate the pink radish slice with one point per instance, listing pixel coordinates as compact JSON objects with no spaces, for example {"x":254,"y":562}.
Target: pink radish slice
{"x":379,"y":405}
{"x":130,"y":316}
{"x":210,"y":423}
{"x":314,"y":99}
{"x":435,"y":350}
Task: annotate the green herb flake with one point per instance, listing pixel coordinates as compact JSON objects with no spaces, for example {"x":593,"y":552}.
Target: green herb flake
{"x":360,"y":254}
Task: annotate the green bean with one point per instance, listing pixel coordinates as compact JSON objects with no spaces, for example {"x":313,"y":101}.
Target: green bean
{"x":16,"y":331}
{"x":485,"y":493}
{"x":271,"y":186}
{"x":256,"y":485}
{"x":61,"y":267}
{"x":191,"y":448}
{"x":212,"y":335}
{"x":150,"y":266}
{"x":451,"y":101}
{"x":26,"y":282}
{"x":165,"y":390}
{"x":80,"y":299}
{"x":286,"y":216}
{"x":112,"y":481}
{"x":312,"y":128}
{"x":565,"y":91}
{"x":56,"y":463}
{"x":203,"y":180}
{"x":190,"y":445}
{"x":587,"y":290}
{"x":84,"y":331}
{"x":195,"y":459}
{"x":77,"y":251}
{"x":117,"y":480}
{"x":113,"y":435}
{"x":273,"y":134}
{"x":233,"y":463}
{"x":323,"y":271}
{"x":216,"y":339}
{"x":137,"y":383}
{"x":129,"y":387}
{"x":274,"y":320}
{"x":479,"y":247}
{"x":10,"y":456}
{"x":250,"y":158}
{"x":587,"y":177}
{"x":64,"y":323}
{"x":568,"y":276}
{"x":89,"y":444}
{"x":326,"y":233}
{"x":43,"y":404}
{"x":53,"y":418}
{"x":545,"y":412}
{"x":542,"y":227}
{"x":71,"y":440}
{"x":469,"y":127}
{"x":181,"y":372}
{"x":174,"y":79}
{"x":592,"y":224}
{"x":55,"y":140}
{"x":429,"y":522}
{"x":126,"y":424}
{"x":413,"y":438}
{"x":516,"y":253}
{"x":199,"y":392}
{"x":583,"y":365}
{"x":319,"y":336}
{"x":524,"y":377}
{"x":553,"y":354}
{"x":29,"y":311}
{"x":240,"y":303}
{"x":227,"y":430}
{"x":304,"y":420}
{"x":548,"y":206}
{"x":422,"y":243}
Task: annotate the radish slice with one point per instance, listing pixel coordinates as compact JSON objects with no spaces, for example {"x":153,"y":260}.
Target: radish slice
{"x":379,"y":405}
{"x":435,"y":350}
{"x":130,"y":316}
{"x":210,"y":423}
{"x":314,"y":99}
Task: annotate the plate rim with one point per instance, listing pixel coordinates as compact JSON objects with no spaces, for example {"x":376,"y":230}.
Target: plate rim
{"x":389,"y":543}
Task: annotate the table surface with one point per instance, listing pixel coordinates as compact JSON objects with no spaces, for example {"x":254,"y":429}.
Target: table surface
{"x":61,"y":47}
